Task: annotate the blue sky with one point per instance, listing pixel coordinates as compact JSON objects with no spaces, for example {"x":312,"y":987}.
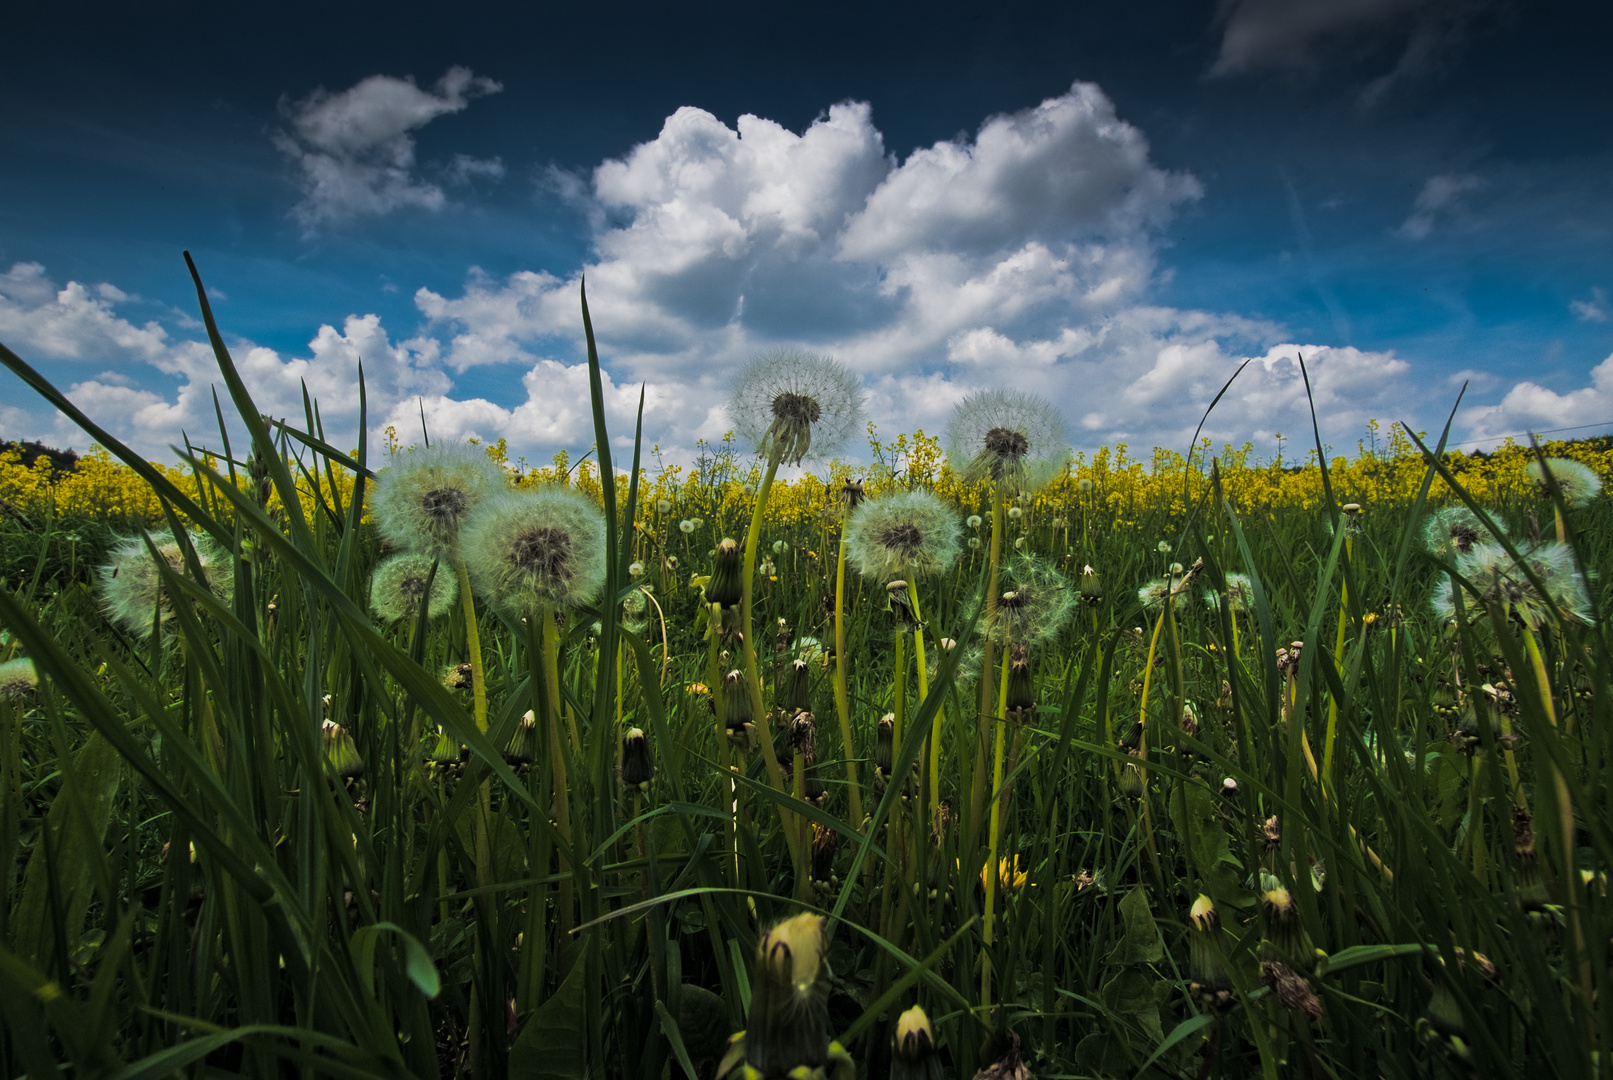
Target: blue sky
{"x":1112,"y":208}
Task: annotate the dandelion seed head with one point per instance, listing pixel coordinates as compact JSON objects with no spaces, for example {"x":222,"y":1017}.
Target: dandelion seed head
{"x":18,"y":679}
{"x":1012,"y":438}
{"x":1015,"y":513}
{"x":422,"y":500}
{"x":662,"y":506}
{"x":398,"y":586}
{"x":1164,"y":547}
{"x":1035,"y":604}
{"x":1577,"y":482}
{"x":1454,"y":531}
{"x":974,"y":521}
{"x":1084,"y":486}
{"x":974,"y":542}
{"x":131,"y":583}
{"x":1502,"y":581}
{"x":686,"y":526}
{"x":1154,"y":594}
{"x":796,"y":404}
{"x":532,"y":550}
{"x":910,"y":533}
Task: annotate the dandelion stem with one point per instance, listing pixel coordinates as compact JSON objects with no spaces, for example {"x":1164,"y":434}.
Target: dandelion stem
{"x":753,"y":681}
{"x":561,"y":795}
{"x":473,"y":644}
{"x":988,"y":657}
{"x":715,"y":683}
{"x":842,"y":698}
{"x":1338,"y":665}
{"x":992,"y":838}
{"x":924,"y":692}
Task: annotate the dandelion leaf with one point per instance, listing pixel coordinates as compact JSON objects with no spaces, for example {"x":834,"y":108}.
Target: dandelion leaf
{"x":77,"y":821}
{"x":1200,"y":824}
{"x":1139,"y":942}
{"x":551,"y":1044}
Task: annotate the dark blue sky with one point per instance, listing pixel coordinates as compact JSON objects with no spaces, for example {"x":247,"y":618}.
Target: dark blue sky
{"x":1426,"y":182}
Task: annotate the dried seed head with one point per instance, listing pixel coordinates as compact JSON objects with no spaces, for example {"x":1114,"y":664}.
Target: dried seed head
{"x":528,"y":551}
{"x":637,"y":770}
{"x":1016,"y":440}
{"x":423,"y":499}
{"x":793,"y":404}
{"x":399,"y":585}
{"x":18,"y":679}
{"x":908,"y":534}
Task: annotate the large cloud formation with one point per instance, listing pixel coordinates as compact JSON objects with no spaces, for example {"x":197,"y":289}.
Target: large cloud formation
{"x":1023,"y":255}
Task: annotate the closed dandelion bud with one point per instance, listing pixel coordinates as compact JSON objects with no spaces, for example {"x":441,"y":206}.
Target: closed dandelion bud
{"x":851,"y":495}
{"x":824,"y":842}
{"x":637,"y":770}
{"x":803,"y":739}
{"x":1131,"y":781}
{"x":884,"y":736}
{"x":1091,"y":587}
{"x":340,"y":751}
{"x":522,"y":747}
{"x":788,"y":1030}
{"x":1021,"y":694}
{"x":443,"y":750}
{"x":736,"y":702}
{"x":18,"y":679}
{"x":1190,"y":721}
{"x":458,"y":676}
{"x":1211,"y":984}
{"x":901,"y":606}
{"x":795,"y":695}
{"x":913,"y":1049}
{"x":726,"y":586}
{"x":1285,"y":938}
{"x":1133,"y":738}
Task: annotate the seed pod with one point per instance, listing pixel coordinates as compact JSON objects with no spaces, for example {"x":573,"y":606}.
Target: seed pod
{"x":884,"y":751}
{"x":1021,"y":695}
{"x":1211,"y":984}
{"x":736,"y":701}
{"x":520,"y":751}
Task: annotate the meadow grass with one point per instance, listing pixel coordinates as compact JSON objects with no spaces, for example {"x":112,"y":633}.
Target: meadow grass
{"x":1256,"y":807}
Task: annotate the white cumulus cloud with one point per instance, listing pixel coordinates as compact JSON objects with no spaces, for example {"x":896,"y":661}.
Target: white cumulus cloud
{"x":1528,"y":406}
{"x":355,"y":149}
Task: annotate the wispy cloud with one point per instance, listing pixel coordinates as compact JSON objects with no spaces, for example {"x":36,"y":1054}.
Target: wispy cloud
{"x":1302,"y":37}
{"x":1594,"y":309}
{"x":1440,"y":197}
{"x":355,"y":149}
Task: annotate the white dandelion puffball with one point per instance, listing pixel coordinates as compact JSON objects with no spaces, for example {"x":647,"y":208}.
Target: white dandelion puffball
{"x":796,"y":404}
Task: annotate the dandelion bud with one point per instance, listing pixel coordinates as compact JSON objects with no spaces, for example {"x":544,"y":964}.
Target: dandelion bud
{"x":1091,"y":587}
{"x":1021,"y":694}
{"x":1131,"y":781}
{"x":884,"y":749}
{"x":788,"y":1029}
{"x":913,"y":1050}
{"x":851,"y":495}
{"x":726,"y":586}
{"x":637,"y":770}
{"x":522,"y":747}
{"x":1133,"y":738}
{"x":18,"y":679}
{"x":340,"y":751}
{"x":736,"y":702}
{"x":901,"y":605}
{"x":1211,"y":984}
{"x":1190,"y":720}
{"x":824,"y":842}
{"x":795,"y":695}
{"x":443,"y":751}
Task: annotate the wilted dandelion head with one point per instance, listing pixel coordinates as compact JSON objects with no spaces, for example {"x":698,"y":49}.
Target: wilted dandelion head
{"x":1501,"y":580}
{"x":1578,"y":483}
{"x":18,"y":679}
{"x":796,"y":404}
{"x":1454,"y":531}
{"x":398,"y":587}
{"x":1154,"y":594}
{"x":910,"y":533}
{"x":1012,"y":438}
{"x":1036,"y":601}
{"x":424,"y":498}
{"x":1240,"y":594}
{"x":131,"y":583}
{"x":529,"y":551}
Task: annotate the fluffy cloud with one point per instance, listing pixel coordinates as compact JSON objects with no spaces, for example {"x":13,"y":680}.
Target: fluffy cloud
{"x":1531,"y":407}
{"x":1300,"y":36}
{"x":1024,"y":255}
{"x":355,"y":151}
{"x":1440,"y":197}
